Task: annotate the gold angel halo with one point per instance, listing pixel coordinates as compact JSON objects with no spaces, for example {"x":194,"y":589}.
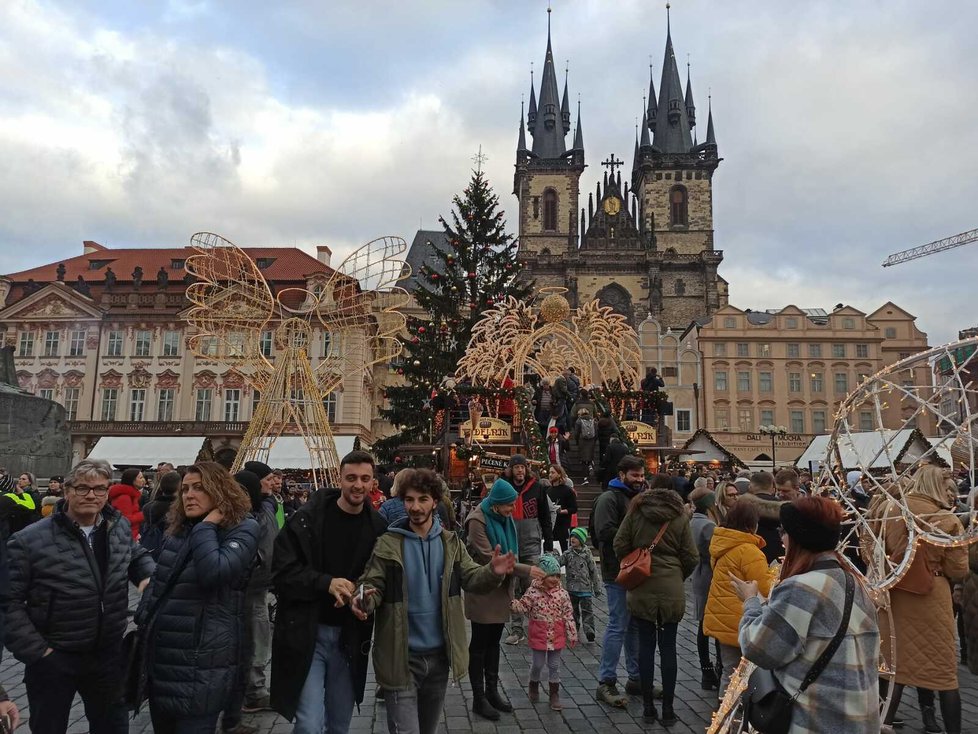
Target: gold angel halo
{"x":358,"y":308}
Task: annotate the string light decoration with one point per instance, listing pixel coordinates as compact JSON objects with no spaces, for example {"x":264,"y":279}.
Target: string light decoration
{"x":232,"y":304}
{"x":887,"y":462}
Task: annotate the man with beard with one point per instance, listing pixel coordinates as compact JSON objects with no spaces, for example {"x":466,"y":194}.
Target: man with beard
{"x":533,"y":526}
{"x":319,"y":649}
{"x":414,"y":581}
{"x":609,"y":512}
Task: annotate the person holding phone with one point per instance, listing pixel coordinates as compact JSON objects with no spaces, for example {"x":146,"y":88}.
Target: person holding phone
{"x":9,"y":715}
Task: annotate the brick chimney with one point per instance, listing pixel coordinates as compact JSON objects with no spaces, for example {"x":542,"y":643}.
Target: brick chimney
{"x":323,"y":254}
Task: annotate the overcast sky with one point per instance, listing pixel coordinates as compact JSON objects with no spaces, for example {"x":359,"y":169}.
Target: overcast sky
{"x":847,"y":129}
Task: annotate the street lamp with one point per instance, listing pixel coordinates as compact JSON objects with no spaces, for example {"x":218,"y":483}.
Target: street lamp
{"x":773,"y":432}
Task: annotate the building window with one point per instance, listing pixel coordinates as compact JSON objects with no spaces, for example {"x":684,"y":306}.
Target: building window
{"x":52,"y":343}
{"x":330,"y":346}
{"x":164,"y":408}
{"x":794,"y":350}
{"x":110,"y":401}
{"x":720,"y":349}
{"x":46,"y":392}
{"x":791,"y":323}
{"x":202,"y":411}
{"x":722,"y":419}
{"x":264,"y":262}
{"x":536,"y":207}
{"x":720,"y":381}
{"x":255,"y":400}
{"x":743,"y":382}
{"x":865,"y":420}
{"x":862,"y":351}
{"x":71,"y":402}
{"x":113,"y":347}
{"x":815,"y":351}
{"x":137,"y":404}
{"x":763,"y":350}
{"x":767,"y":417}
{"x":232,"y":405}
{"x":266,"y":343}
{"x":235,"y":345}
{"x":890,"y":332}
{"x":838,"y":351}
{"x":329,"y":403}
{"x":743,"y":349}
{"x":729,"y":322}
{"x":680,"y":288}
{"x":818,"y":382}
{"x":143,"y":343}
{"x":208,"y":346}
{"x":794,"y":382}
{"x":670,"y":372}
{"x":550,"y":210}
{"x":745,"y":419}
{"x":684,"y":420}
{"x":171,"y":343}
{"x":76,"y":346}
{"x":678,"y":214}
{"x":26,"y":348}
{"x":818,"y":421}
{"x":848,"y":323}
{"x":841,"y":383}
{"x":765,"y":382}
{"x":797,"y":419}
{"x":177,"y":264}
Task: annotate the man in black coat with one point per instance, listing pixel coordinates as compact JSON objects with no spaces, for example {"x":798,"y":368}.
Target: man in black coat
{"x":68,"y":604}
{"x":617,"y":450}
{"x":319,"y":649}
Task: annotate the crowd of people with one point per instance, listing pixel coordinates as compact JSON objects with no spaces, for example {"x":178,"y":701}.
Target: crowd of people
{"x":390,"y":564}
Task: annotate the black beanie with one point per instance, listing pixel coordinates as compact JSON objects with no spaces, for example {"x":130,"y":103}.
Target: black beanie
{"x":257,"y":468}
{"x":251,"y":484}
{"x":807,"y":533}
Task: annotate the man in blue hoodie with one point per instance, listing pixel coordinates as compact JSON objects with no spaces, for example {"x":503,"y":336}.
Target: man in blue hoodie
{"x":414,"y":582}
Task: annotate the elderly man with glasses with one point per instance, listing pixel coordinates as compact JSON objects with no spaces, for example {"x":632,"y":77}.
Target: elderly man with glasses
{"x":68,"y":604}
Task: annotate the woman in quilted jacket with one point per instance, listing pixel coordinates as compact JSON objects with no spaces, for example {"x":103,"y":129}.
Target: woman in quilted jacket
{"x":194,"y":643}
{"x":735,"y":549}
{"x":125,"y":497}
{"x":551,"y":627}
{"x":923,"y":616}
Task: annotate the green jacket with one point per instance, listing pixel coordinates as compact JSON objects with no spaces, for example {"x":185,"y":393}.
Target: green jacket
{"x":385,"y":572}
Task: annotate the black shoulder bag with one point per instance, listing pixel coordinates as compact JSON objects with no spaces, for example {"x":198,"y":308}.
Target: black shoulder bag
{"x":134,"y":643}
{"x":767,"y":706}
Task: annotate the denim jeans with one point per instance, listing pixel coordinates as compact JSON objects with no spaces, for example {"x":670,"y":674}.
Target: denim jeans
{"x":261,"y":638}
{"x":418,"y":709}
{"x":650,"y":635}
{"x":620,"y":632}
{"x":326,"y":701}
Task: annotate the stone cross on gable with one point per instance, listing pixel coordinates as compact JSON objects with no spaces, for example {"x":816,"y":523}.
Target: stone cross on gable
{"x":612,"y":163}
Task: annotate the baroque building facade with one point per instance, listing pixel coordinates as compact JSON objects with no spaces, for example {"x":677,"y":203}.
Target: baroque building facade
{"x":111,"y":345}
{"x":644,"y":246}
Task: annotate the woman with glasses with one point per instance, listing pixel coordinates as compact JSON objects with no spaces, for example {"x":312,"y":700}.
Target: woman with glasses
{"x":195,"y":634}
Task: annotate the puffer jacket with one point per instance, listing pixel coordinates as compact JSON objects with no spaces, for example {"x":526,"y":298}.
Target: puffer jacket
{"x":125,"y":498}
{"x":261,"y":574}
{"x":194,"y":644}
{"x":661,"y":597}
{"x":552,"y":625}
{"x":609,"y":511}
{"x":738,"y":553}
{"x":58,"y":597}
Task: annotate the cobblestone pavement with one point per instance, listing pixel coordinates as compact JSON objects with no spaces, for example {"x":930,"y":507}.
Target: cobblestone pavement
{"x":581,"y":714}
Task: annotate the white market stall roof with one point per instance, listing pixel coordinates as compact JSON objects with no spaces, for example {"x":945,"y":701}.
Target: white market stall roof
{"x":865,"y":449}
{"x":290,"y":452}
{"x":705,"y":448}
{"x":147,"y":450}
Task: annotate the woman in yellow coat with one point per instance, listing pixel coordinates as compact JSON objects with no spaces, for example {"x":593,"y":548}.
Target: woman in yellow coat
{"x":735,"y":550}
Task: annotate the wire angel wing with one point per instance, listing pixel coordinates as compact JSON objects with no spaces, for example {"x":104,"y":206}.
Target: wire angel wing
{"x":360,"y":307}
{"x":231,"y":304}
{"x":495,"y":338}
{"x":612,"y":341}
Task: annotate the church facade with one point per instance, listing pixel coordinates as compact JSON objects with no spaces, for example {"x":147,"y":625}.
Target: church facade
{"x":644,"y":246}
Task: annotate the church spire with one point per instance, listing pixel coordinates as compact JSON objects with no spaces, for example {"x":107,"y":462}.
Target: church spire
{"x":531,"y":118}
{"x":690,"y":107}
{"x":548,"y":128}
{"x":646,"y":142}
{"x":672,"y":123}
{"x":521,"y":144}
{"x":653,"y":101}
{"x":579,"y":132}
{"x":711,"y":138}
{"x":565,"y":105}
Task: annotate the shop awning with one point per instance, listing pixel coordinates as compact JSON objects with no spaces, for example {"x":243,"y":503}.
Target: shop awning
{"x":290,"y":452}
{"x":147,"y":451}
{"x":876,"y":449}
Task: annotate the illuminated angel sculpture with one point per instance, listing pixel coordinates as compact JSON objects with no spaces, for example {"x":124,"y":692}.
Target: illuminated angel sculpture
{"x":232,"y":304}
{"x":597,"y":342}
{"x":871,"y":472}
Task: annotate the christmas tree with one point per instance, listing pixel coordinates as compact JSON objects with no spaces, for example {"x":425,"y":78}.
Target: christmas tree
{"x":454,"y":288}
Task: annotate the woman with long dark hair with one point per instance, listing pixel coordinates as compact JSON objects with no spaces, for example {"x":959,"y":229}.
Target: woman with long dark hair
{"x":805,"y":611}
{"x":194,"y":643}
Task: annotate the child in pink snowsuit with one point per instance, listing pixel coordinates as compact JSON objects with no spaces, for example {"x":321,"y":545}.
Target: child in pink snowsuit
{"x":551,"y":627}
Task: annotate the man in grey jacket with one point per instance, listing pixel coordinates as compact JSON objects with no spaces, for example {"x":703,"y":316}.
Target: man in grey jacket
{"x":68,"y":604}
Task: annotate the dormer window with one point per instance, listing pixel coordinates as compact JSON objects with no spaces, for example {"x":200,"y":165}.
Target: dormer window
{"x":177,"y":264}
{"x":264,"y":262}
{"x":97,"y":264}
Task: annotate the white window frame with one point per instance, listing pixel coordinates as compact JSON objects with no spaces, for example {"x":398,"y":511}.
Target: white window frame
{"x":165,"y":402}
{"x":142,"y":343}
{"x":115,"y":343}
{"x":720,"y":381}
{"x":267,"y":343}
{"x":52,"y":343}
{"x":137,"y":404}
{"x":110,"y":403}
{"x":26,"y":344}
{"x":76,"y":347}
{"x":232,"y":404}
{"x":70,"y":398}
{"x":796,"y":420}
{"x":204,"y":404}
{"x":171,"y":344}
{"x":684,"y":421}
{"x":46,"y":392}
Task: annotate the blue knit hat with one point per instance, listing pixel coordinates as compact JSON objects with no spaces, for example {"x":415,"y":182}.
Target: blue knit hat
{"x":502,"y":493}
{"x":549,"y":565}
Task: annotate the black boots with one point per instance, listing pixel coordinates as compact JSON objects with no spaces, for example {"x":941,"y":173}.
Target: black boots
{"x":649,"y":713}
{"x":929,"y":716}
{"x":493,"y":696}
{"x":480,"y":705}
{"x":709,"y":681}
{"x":668,"y":715}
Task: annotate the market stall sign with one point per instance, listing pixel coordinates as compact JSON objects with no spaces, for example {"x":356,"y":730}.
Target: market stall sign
{"x":640,"y":434}
{"x":493,"y":462}
{"x":488,"y":430}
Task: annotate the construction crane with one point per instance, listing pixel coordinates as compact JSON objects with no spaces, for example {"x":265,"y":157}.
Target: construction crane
{"x":948,"y":243}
